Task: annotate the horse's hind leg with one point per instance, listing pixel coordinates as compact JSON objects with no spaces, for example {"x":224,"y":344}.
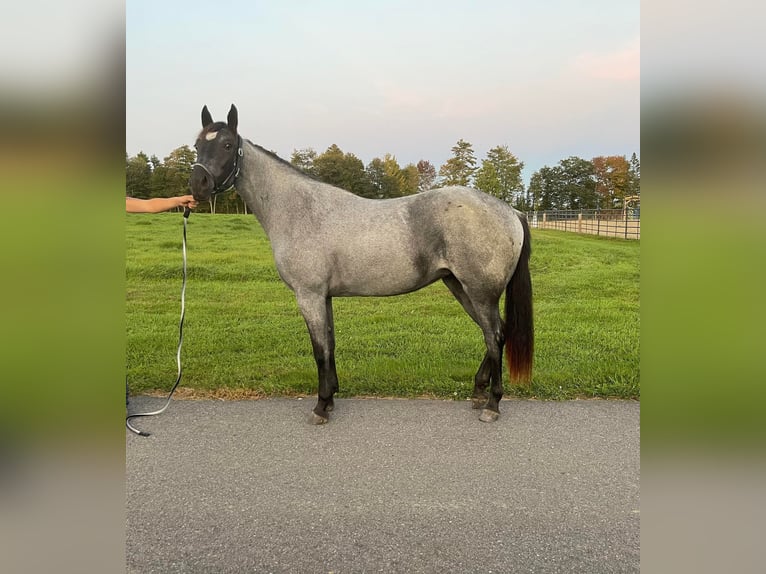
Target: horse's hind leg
{"x":492,"y":326}
{"x":482,"y":378}
{"x":480,"y":383}
{"x":317,"y":312}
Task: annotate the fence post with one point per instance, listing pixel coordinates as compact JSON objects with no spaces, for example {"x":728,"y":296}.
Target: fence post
{"x":579,"y":222}
{"x":626,"y":222}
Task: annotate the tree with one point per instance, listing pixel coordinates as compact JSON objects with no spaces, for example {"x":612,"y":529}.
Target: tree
{"x":155,"y":162}
{"x":488,"y":181}
{"x":500,"y":175}
{"x":342,"y":170}
{"x":303,"y":159}
{"x":179,"y":167}
{"x":542,"y":188}
{"x":376,"y":175}
{"x":569,"y":185}
{"x":159,"y":183}
{"x":138,"y":176}
{"x":611,"y":174}
{"x":393,"y":182}
{"x":426,"y":175}
{"x":460,"y":168}
{"x":578,"y":184}
{"x":386,"y":179}
{"x":329,"y":166}
{"x":410,"y":179}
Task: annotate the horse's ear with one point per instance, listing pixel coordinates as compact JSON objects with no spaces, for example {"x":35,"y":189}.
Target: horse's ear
{"x":232,"y":118}
{"x":207,"y":119}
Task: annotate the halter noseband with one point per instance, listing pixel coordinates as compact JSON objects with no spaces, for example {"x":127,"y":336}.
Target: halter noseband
{"x":227,"y":183}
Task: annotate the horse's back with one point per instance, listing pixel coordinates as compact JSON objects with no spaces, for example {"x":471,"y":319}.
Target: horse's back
{"x":464,"y":205}
{"x":463,"y":213}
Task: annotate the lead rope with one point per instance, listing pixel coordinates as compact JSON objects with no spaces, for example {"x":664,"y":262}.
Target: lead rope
{"x":187,"y":211}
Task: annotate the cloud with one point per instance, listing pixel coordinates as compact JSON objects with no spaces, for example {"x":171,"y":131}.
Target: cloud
{"x":622,"y":65}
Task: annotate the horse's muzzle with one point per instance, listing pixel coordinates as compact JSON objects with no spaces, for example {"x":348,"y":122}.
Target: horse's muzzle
{"x":201,"y":182}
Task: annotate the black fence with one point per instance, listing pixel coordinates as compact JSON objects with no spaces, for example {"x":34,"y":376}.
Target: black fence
{"x":624,"y":223}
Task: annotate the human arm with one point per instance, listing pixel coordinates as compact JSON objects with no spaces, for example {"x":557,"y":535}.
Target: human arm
{"x":158,"y":204}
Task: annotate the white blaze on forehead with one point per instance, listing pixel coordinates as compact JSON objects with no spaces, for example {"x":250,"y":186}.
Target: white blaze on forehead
{"x":210,"y":135}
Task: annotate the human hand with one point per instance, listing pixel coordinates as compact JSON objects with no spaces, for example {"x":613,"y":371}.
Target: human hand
{"x":187,"y":201}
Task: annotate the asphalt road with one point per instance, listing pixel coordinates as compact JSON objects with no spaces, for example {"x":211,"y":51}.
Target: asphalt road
{"x":415,"y":486}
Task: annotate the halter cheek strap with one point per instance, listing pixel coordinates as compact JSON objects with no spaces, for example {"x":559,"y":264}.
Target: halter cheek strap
{"x":228,"y":183}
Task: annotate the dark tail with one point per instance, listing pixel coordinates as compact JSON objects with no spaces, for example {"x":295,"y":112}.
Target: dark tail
{"x":519,"y":325}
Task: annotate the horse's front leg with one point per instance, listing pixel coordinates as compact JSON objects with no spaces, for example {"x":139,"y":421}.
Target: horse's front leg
{"x":317,"y":312}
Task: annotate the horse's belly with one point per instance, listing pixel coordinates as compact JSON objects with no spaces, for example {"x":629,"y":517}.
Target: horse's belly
{"x":379,"y":275}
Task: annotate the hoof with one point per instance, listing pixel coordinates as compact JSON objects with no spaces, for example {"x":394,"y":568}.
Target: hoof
{"x":315,"y":419}
{"x":478,"y":402}
{"x":488,"y":416}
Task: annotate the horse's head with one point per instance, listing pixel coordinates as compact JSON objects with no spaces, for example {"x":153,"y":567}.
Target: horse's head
{"x":219,"y":149}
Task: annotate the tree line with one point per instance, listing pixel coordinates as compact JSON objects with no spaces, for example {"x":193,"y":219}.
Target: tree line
{"x":602,"y":182}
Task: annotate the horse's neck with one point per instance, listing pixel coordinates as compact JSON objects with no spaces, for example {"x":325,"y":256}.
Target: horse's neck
{"x":269,"y":188}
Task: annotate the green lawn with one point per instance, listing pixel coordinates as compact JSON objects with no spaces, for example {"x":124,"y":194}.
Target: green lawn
{"x":243,"y":334}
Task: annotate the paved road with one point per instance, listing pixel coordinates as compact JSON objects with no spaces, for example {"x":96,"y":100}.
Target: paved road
{"x":415,"y":486}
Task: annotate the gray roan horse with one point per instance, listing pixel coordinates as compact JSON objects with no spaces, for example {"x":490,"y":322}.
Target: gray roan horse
{"x":328,"y":243}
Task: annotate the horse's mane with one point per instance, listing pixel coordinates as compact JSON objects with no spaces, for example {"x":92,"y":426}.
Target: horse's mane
{"x":284,"y":162}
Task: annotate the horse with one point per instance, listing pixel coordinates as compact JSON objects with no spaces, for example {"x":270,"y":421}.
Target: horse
{"x":328,"y":242}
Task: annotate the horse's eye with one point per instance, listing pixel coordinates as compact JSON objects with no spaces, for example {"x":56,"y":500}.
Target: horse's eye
{"x":227,"y":146}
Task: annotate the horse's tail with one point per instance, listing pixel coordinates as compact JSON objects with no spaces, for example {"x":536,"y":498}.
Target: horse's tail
{"x":519,"y":325}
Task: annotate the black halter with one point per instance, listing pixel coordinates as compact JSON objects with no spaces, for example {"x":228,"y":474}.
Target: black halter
{"x":227,"y":183}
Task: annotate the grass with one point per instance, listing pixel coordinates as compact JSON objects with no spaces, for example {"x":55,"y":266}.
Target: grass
{"x":244,"y":336}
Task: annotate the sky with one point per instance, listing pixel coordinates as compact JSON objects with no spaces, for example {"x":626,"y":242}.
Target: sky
{"x":547,"y":79}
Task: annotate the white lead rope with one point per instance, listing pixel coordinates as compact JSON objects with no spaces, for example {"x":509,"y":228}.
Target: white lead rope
{"x":178,"y":352}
